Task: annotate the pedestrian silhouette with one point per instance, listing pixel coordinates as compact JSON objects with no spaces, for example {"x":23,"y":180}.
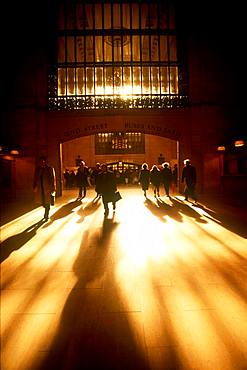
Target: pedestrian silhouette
{"x":166,"y":177}
{"x":82,"y":179}
{"x":107,"y":187}
{"x":155,"y":179}
{"x":189,"y":178}
{"x":144,"y":178}
{"x":44,"y":185}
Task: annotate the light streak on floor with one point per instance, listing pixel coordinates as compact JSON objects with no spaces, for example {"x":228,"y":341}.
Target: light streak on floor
{"x":159,"y":285}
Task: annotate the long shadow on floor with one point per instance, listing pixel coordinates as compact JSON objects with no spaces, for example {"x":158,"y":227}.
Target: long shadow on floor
{"x":88,"y":209}
{"x":64,"y":211}
{"x":187,"y":210}
{"x":16,"y":241}
{"x":232,"y":222}
{"x":161,"y":209}
{"x":92,"y":334}
{"x":174,"y":209}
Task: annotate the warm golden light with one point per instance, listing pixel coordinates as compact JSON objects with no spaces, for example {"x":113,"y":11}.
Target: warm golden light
{"x":239,"y":143}
{"x":8,"y":157}
{"x":14,"y":152}
{"x":158,"y":281}
{"x":221,"y":148}
{"x":116,"y":85}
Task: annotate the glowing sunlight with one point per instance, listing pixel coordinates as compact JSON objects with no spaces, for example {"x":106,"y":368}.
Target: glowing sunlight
{"x":166,"y":278}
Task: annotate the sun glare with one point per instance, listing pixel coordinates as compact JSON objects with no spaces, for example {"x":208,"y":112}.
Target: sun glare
{"x":174,"y":276}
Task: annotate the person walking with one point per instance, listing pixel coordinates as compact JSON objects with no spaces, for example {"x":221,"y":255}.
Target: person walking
{"x":161,"y":159}
{"x":82,"y":179}
{"x":166,"y":177}
{"x":144,"y":178}
{"x":155,"y":179}
{"x":95,"y":178}
{"x":189,"y":178}
{"x":44,"y":185}
{"x":174,"y":177}
{"x":66,"y":177}
{"x":107,"y":187}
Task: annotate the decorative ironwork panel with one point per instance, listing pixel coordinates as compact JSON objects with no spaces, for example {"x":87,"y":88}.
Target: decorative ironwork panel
{"x":89,"y":102}
{"x":117,"y":56}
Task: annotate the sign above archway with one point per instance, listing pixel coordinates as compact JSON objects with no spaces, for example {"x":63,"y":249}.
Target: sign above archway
{"x":73,"y":127}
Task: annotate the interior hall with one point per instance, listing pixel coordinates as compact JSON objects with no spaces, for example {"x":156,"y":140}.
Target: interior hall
{"x":96,"y":90}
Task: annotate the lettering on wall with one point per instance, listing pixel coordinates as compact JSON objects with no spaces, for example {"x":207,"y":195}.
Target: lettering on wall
{"x":149,"y":128}
{"x":152,"y":129}
{"x":88,"y":129}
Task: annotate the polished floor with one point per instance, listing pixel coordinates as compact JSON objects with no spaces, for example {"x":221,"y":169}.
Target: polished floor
{"x":159,"y":285}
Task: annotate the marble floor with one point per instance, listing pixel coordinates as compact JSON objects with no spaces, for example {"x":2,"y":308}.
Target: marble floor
{"x":161,"y":284}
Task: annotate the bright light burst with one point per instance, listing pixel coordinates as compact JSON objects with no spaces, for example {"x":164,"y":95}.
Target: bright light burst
{"x":176,"y":275}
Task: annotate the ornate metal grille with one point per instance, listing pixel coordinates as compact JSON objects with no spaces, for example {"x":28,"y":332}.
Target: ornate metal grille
{"x":116,"y":55}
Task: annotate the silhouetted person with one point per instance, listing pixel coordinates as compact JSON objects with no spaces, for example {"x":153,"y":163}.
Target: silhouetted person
{"x":189,"y":177}
{"x":144,"y":178}
{"x":166,"y":177}
{"x":95,"y":177}
{"x":175,"y":177}
{"x":161,"y":159}
{"x":155,"y":178}
{"x":78,"y":161}
{"x":82,"y":179}
{"x":44,"y":185}
{"x":107,"y":187}
{"x":66,"y":176}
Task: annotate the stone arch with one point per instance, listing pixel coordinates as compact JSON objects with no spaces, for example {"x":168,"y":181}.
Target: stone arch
{"x":64,"y":127}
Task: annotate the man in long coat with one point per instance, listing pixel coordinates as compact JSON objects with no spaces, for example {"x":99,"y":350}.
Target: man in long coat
{"x":44,"y":185}
{"x":107,"y":187}
{"x":95,"y":178}
{"x":82,"y":179}
{"x":144,"y":178}
{"x":189,"y":177}
{"x":166,"y":177}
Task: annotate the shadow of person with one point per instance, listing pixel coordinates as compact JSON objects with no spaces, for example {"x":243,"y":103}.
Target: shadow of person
{"x":89,"y":208}
{"x":161,"y":209}
{"x":187,"y":210}
{"x":232,"y":222}
{"x":108,"y":227}
{"x":157,"y":211}
{"x":16,"y":241}
{"x":64,"y":211}
{"x":91,"y":334}
{"x":169,"y":209}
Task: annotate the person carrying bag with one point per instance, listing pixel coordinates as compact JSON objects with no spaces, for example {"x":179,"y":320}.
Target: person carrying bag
{"x":107,"y":186}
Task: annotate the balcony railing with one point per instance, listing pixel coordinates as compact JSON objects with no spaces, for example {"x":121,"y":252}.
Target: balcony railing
{"x":112,"y":102}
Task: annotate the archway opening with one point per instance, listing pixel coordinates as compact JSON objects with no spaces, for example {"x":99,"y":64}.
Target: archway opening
{"x":121,"y":151}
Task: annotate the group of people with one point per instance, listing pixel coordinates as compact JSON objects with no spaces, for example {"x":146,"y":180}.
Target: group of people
{"x":126,"y":177}
{"x":44,"y":183}
{"x":158,"y":176}
{"x":168,"y":177}
{"x":104,"y":181}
